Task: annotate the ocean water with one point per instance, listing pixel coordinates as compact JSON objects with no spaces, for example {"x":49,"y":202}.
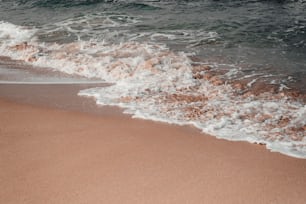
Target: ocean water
{"x":234,"y":69}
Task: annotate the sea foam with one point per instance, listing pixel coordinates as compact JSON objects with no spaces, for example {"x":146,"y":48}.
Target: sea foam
{"x":151,"y":81}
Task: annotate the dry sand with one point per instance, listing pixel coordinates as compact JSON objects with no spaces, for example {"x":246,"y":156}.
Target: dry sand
{"x":50,"y":155}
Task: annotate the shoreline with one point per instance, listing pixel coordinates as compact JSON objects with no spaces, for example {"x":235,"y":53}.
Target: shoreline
{"x":56,"y":154}
{"x":58,"y":96}
{"x":260,"y":120}
{"x":65,"y":97}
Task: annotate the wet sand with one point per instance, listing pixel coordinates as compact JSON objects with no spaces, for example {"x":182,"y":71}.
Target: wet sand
{"x":53,"y":149}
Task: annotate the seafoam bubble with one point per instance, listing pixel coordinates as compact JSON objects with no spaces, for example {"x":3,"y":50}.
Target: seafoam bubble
{"x":11,"y":34}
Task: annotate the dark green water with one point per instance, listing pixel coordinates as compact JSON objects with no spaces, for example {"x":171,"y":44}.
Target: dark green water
{"x":266,"y":36}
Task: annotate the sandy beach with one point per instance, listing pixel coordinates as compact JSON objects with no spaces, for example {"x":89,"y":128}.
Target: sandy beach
{"x":53,"y":154}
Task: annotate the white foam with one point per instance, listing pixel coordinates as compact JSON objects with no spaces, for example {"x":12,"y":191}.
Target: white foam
{"x":152,"y":82}
{"x":11,"y":34}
